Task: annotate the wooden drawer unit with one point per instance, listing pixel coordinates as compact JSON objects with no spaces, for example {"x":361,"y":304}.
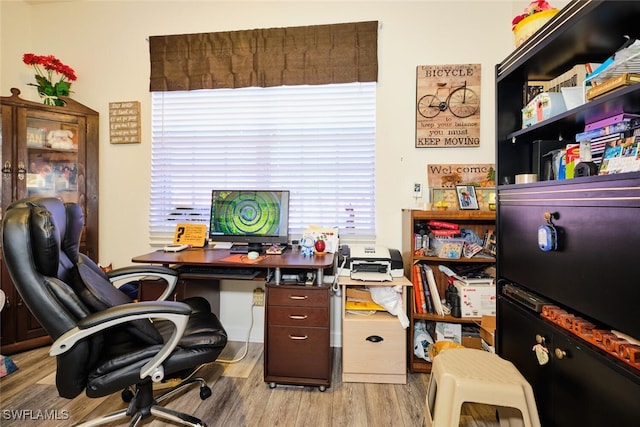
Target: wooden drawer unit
{"x":374,"y":346}
{"x":297,"y":336}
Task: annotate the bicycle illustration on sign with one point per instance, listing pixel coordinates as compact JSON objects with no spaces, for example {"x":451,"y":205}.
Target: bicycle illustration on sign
{"x":460,"y":100}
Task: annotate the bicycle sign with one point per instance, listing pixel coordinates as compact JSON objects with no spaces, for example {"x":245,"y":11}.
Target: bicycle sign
{"x":448,"y":105}
{"x":461,"y":101}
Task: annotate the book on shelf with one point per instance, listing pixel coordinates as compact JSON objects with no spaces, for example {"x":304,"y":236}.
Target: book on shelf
{"x":621,"y":126}
{"x":433,"y":288}
{"x":418,"y":288}
{"x":621,"y":157}
{"x":427,"y":293}
{"x":613,"y":83}
{"x":611,"y":120}
{"x":428,"y":299}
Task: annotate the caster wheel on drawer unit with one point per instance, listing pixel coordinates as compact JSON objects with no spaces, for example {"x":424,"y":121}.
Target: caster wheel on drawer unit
{"x":272,"y":385}
{"x":322,"y":388}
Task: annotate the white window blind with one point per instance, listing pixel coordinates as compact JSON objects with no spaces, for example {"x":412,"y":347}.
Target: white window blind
{"x":318,"y":142}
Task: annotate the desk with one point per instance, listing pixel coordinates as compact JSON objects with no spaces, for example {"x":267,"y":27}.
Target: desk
{"x":216,"y":257}
{"x":297,"y":317}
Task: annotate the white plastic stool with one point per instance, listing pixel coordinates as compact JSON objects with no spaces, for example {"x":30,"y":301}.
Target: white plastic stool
{"x":461,"y":375}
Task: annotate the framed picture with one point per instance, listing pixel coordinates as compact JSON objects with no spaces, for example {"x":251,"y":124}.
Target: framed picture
{"x":467,"y":197}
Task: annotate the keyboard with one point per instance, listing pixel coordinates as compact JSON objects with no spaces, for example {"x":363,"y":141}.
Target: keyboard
{"x":219,"y":272}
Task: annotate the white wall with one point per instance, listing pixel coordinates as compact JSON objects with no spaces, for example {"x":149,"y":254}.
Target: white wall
{"x":106,"y":43}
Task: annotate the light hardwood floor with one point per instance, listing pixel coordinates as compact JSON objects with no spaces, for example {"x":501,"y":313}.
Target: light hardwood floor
{"x":240,"y":398}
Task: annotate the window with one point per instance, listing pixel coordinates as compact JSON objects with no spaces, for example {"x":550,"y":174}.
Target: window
{"x":316,"y":141}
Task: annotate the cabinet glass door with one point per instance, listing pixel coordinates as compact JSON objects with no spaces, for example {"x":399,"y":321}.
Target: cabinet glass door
{"x":51,"y":166}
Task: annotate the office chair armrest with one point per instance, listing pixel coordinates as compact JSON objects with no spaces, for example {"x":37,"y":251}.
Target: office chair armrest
{"x":132,"y":272}
{"x":176,"y":312}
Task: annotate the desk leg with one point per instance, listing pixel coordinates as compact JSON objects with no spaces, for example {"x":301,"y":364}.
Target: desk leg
{"x":320,"y":277}
{"x":277,"y":276}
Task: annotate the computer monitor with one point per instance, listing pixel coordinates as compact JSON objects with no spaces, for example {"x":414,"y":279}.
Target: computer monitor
{"x":254,"y":217}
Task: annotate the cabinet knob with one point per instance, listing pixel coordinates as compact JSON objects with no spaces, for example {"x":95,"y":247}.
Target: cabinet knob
{"x":7,"y":167}
{"x":560,"y":354}
{"x":374,"y":338}
{"x":540,"y":339}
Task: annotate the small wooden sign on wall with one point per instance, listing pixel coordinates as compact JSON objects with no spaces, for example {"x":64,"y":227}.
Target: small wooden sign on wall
{"x":124,"y":122}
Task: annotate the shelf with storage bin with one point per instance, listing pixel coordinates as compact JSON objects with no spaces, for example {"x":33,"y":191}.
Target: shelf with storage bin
{"x":415,"y":221}
{"x":374,"y":345}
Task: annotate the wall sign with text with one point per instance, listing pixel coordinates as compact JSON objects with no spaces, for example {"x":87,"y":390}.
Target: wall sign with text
{"x":448,"y":105}
{"x":124,"y":122}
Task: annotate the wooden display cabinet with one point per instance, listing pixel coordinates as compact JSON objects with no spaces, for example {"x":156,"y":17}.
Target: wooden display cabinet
{"x":46,"y":151}
{"x":414,"y":220}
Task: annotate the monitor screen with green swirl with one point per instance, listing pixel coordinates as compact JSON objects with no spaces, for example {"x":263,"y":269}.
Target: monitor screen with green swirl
{"x":254,"y":217}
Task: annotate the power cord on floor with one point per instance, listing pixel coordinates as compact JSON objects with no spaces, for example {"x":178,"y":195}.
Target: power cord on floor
{"x":244,"y":353}
{"x":246,"y":344}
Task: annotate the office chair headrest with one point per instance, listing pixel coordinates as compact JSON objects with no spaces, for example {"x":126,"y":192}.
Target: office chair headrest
{"x":56,"y":228}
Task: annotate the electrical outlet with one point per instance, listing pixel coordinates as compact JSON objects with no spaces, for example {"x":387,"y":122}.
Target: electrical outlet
{"x":417,"y":190}
{"x":258,"y":297}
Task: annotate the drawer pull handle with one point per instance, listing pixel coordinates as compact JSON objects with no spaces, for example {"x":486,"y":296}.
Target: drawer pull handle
{"x":375,"y":338}
{"x":298,"y":297}
{"x":297,"y":317}
{"x":297,"y":337}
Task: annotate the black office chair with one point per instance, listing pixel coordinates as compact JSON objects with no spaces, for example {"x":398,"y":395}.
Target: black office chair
{"x":104,"y":342}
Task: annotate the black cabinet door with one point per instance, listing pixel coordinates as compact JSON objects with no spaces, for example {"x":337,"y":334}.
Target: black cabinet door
{"x":517,"y":330}
{"x":580,"y":385}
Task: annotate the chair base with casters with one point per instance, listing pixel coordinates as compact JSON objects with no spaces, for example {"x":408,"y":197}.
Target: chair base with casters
{"x":143,"y":405}
{"x":462,"y":375}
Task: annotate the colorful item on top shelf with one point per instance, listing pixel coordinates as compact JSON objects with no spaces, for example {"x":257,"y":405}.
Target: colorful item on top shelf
{"x":538,"y":13}
{"x":542,"y":107}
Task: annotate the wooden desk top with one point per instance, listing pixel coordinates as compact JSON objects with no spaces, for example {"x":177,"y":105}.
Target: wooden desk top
{"x":221,"y":257}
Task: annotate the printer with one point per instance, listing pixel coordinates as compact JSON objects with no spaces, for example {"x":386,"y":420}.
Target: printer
{"x":370,"y":263}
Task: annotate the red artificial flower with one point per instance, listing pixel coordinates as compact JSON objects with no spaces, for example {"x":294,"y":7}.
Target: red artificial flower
{"x":47,"y":88}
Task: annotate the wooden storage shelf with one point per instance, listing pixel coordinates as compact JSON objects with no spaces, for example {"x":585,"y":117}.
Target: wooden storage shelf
{"x":477,"y":221}
{"x":436,"y":259}
{"x":446,"y":318}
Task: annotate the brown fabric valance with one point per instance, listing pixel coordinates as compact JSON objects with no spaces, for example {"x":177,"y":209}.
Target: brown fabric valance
{"x":320,"y":54}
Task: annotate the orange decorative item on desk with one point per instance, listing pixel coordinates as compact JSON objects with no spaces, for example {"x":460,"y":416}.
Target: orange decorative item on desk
{"x":534,"y":17}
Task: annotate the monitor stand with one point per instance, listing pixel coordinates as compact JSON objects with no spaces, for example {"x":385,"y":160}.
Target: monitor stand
{"x":222,"y":245}
{"x":245,"y":249}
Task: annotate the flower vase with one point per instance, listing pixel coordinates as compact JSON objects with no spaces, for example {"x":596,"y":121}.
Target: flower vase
{"x":50,"y":99}
{"x":532,"y":23}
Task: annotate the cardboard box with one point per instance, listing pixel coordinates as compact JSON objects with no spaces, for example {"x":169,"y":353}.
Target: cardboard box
{"x":472,"y":342}
{"x":488,"y":329}
{"x":476,"y":300}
